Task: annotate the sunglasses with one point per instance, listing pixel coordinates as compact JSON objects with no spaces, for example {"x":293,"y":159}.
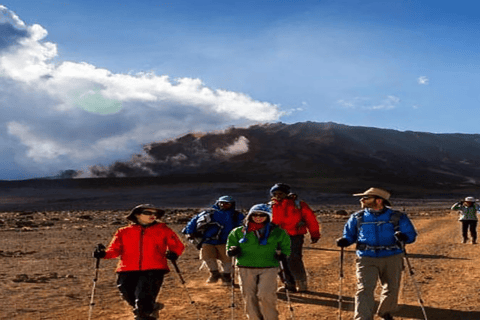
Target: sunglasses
{"x":258,"y":215}
{"x":368,"y":197}
{"x":148,"y":213}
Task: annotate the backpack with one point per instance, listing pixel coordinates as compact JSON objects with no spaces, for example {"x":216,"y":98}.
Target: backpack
{"x":206,"y":228}
{"x":394,"y":219}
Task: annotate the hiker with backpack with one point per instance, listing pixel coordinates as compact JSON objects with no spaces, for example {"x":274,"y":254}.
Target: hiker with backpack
{"x":143,"y":247}
{"x":468,"y":217}
{"x":296,"y":218}
{"x":209,"y":230}
{"x":380,"y":234}
{"x":258,"y":246}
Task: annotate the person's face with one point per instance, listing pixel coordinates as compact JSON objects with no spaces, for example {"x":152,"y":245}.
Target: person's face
{"x":225,"y":205}
{"x":369,"y":202}
{"x":147,"y":216}
{"x":259,"y":217}
{"x":468,"y":203}
{"x":279,"y":195}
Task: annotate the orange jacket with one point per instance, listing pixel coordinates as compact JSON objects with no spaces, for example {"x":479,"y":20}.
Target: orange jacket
{"x":143,"y":248}
{"x":295,"y":220}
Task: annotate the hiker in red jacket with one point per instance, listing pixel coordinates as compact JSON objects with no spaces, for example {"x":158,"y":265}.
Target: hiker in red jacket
{"x":296,"y":218}
{"x":143,"y":248}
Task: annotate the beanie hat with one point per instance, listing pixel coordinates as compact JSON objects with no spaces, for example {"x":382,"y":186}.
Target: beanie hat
{"x":280,"y":187}
{"x":228,"y":199}
{"x":259,"y":208}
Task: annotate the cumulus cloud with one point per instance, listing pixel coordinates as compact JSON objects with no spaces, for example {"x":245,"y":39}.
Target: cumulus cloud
{"x":65,"y":113}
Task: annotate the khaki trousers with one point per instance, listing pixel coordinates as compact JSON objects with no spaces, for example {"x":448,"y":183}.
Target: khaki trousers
{"x":210,"y":253}
{"x":259,"y":289}
{"x":369,"y":270}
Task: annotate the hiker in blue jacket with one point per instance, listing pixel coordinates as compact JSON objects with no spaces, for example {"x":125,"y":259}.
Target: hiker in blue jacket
{"x":379,"y":233}
{"x":209,"y":231}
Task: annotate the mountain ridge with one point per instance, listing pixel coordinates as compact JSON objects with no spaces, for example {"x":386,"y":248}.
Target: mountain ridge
{"x":311,"y":150}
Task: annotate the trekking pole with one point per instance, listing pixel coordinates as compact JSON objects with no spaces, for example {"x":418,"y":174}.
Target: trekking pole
{"x":97,"y":266}
{"x":340,"y":294}
{"x":185,"y":287}
{"x":233,"y":289}
{"x":415,"y":284}
{"x":284,"y":276}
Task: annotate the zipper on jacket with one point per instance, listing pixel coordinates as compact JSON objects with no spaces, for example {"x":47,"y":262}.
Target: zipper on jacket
{"x":141,"y":248}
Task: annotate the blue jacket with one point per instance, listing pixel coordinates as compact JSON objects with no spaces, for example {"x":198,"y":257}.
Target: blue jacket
{"x":222,"y":222}
{"x":375,"y":235}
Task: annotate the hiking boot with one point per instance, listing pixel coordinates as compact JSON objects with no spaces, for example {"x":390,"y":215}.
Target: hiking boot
{"x":465,"y":240}
{"x":474,"y":241}
{"x":226,"y":278}
{"x":214,"y":276}
{"x":145,"y":317}
{"x":156,"y":309}
{"x":302,"y":286}
{"x":387,"y":316}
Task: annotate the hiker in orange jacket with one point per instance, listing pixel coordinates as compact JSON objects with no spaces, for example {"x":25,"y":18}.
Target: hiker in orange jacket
{"x":143,"y":248}
{"x":296,"y":218}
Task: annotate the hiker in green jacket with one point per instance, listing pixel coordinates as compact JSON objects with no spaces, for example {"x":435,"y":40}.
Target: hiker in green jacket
{"x":258,"y":246}
{"x":468,"y":217}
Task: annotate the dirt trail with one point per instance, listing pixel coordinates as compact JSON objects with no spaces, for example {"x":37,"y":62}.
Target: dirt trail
{"x":47,"y":272}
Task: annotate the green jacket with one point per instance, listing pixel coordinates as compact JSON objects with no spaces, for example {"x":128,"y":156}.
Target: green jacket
{"x":255,"y":255}
{"x":466,"y":213}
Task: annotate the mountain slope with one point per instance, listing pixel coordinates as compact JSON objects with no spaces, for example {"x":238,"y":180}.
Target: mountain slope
{"x":312,"y":151}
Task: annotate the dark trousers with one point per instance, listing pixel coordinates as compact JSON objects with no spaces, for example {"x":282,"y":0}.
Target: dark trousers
{"x":295,"y":262}
{"x":294,"y":267}
{"x":472,"y":225}
{"x":140,"y":289}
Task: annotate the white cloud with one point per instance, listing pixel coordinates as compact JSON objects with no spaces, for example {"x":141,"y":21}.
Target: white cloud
{"x":239,"y":146}
{"x":423,"y":80}
{"x":364,"y":103}
{"x":58,"y":114}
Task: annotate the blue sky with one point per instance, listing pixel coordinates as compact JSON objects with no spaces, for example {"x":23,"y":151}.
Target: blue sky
{"x":89,"y":82}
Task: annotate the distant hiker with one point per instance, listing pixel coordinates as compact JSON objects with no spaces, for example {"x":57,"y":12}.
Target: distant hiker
{"x":468,"y":217}
{"x":258,"y":246}
{"x":296,"y":218}
{"x":143,"y":248}
{"x":209,"y":230}
{"x":377,"y":231}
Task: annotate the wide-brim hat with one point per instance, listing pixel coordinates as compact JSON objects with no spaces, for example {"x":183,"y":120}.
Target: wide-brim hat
{"x":470,"y":199}
{"x":140,"y":208}
{"x":377,"y":192}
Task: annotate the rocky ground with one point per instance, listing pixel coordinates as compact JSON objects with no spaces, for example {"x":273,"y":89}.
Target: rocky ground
{"x":46,"y":269}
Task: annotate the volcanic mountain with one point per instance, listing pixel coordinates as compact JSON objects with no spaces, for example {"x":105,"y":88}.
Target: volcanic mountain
{"x":318,"y":153}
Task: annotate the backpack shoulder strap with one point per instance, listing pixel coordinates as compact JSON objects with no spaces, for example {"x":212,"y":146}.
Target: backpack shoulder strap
{"x":359,"y":216}
{"x":395,"y":219}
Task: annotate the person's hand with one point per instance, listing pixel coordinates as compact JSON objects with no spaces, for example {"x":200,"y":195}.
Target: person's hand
{"x":314,"y":239}
{"x":172,"y":256}
{"x":401,"y":237}
{"x":292,"y":196}
{"x":99,"y":251}
{"x":343,"y":242}
{"x":280,"y":256}
{"x":273,"y":201}
{"x":233,"y":251}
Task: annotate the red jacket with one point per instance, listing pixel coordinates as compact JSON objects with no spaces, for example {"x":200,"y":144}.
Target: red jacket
{"x":143,"y":248}
{"x":293,"y":220}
